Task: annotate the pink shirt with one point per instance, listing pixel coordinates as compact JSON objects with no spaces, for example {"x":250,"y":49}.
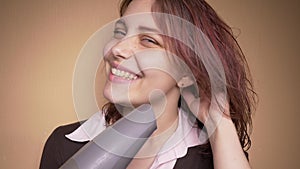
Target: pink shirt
{"x":186,"y":135}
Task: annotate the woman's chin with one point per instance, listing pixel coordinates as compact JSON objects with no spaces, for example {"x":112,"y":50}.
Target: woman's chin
{"x":123,"y":102}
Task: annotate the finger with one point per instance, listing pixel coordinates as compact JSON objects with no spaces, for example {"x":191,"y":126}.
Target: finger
{"x":197,"y":107}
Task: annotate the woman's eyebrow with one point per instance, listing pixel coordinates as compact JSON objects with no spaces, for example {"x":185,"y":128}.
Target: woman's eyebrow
{"x":148,"y":29}
{"x":140,"y":28}
{"x":120,"y":22}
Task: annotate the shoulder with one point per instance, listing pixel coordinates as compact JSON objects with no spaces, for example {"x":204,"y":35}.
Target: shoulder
{"x":65,"y":129}
{"x":58,"y":148}
{"x":197,"y":157}
{"x":57,"y":138}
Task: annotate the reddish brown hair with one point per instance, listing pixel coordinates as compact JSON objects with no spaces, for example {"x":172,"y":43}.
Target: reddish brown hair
{"x":241,"y":95}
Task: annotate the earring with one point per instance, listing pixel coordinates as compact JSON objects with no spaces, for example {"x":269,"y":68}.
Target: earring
{"x":185,"y":82}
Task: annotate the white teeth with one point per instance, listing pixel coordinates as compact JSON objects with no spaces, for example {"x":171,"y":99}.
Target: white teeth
{"x":114,"y":71}
{"x":126,"y":75}
{"x":123,"y":74}
{"x":131,"y":76}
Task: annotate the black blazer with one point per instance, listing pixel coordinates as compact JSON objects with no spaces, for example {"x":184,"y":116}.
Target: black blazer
{"x":58,"y":149}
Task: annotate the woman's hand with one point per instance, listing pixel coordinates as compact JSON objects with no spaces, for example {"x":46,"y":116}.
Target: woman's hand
{"x":224,"y":141}
{"x":210,"y":111}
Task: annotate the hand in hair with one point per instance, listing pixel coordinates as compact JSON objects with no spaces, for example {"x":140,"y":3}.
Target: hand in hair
{"x":209,"y":111}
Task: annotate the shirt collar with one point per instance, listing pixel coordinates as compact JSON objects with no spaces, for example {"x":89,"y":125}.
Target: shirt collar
{"x":89,"y":129}
{"x":186,"y":135}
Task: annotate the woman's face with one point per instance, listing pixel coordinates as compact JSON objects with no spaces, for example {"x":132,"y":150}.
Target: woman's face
{"x":137,"y":66}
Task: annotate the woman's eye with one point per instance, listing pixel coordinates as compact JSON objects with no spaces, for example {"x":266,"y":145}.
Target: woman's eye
{"x":119,"y":34}
{"x":147,"y":41}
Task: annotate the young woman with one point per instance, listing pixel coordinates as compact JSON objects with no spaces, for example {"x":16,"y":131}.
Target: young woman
{"x":172,"y":54}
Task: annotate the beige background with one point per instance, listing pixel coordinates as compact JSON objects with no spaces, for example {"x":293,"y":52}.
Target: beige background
{"x":40,"y":41}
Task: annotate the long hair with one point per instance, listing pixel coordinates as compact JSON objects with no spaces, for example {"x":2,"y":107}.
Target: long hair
{"x":241,"y":95}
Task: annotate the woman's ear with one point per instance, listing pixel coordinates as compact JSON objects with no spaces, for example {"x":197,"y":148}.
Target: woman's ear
{"x":185,"y":81}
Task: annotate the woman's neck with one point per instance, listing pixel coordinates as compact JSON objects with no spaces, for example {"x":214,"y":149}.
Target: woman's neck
{"x":166,"y":113}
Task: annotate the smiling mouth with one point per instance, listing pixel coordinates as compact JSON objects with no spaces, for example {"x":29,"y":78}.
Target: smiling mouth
{"x":123,"y":74}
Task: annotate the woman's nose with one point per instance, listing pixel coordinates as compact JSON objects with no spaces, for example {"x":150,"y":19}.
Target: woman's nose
{"x":125,"y":48}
